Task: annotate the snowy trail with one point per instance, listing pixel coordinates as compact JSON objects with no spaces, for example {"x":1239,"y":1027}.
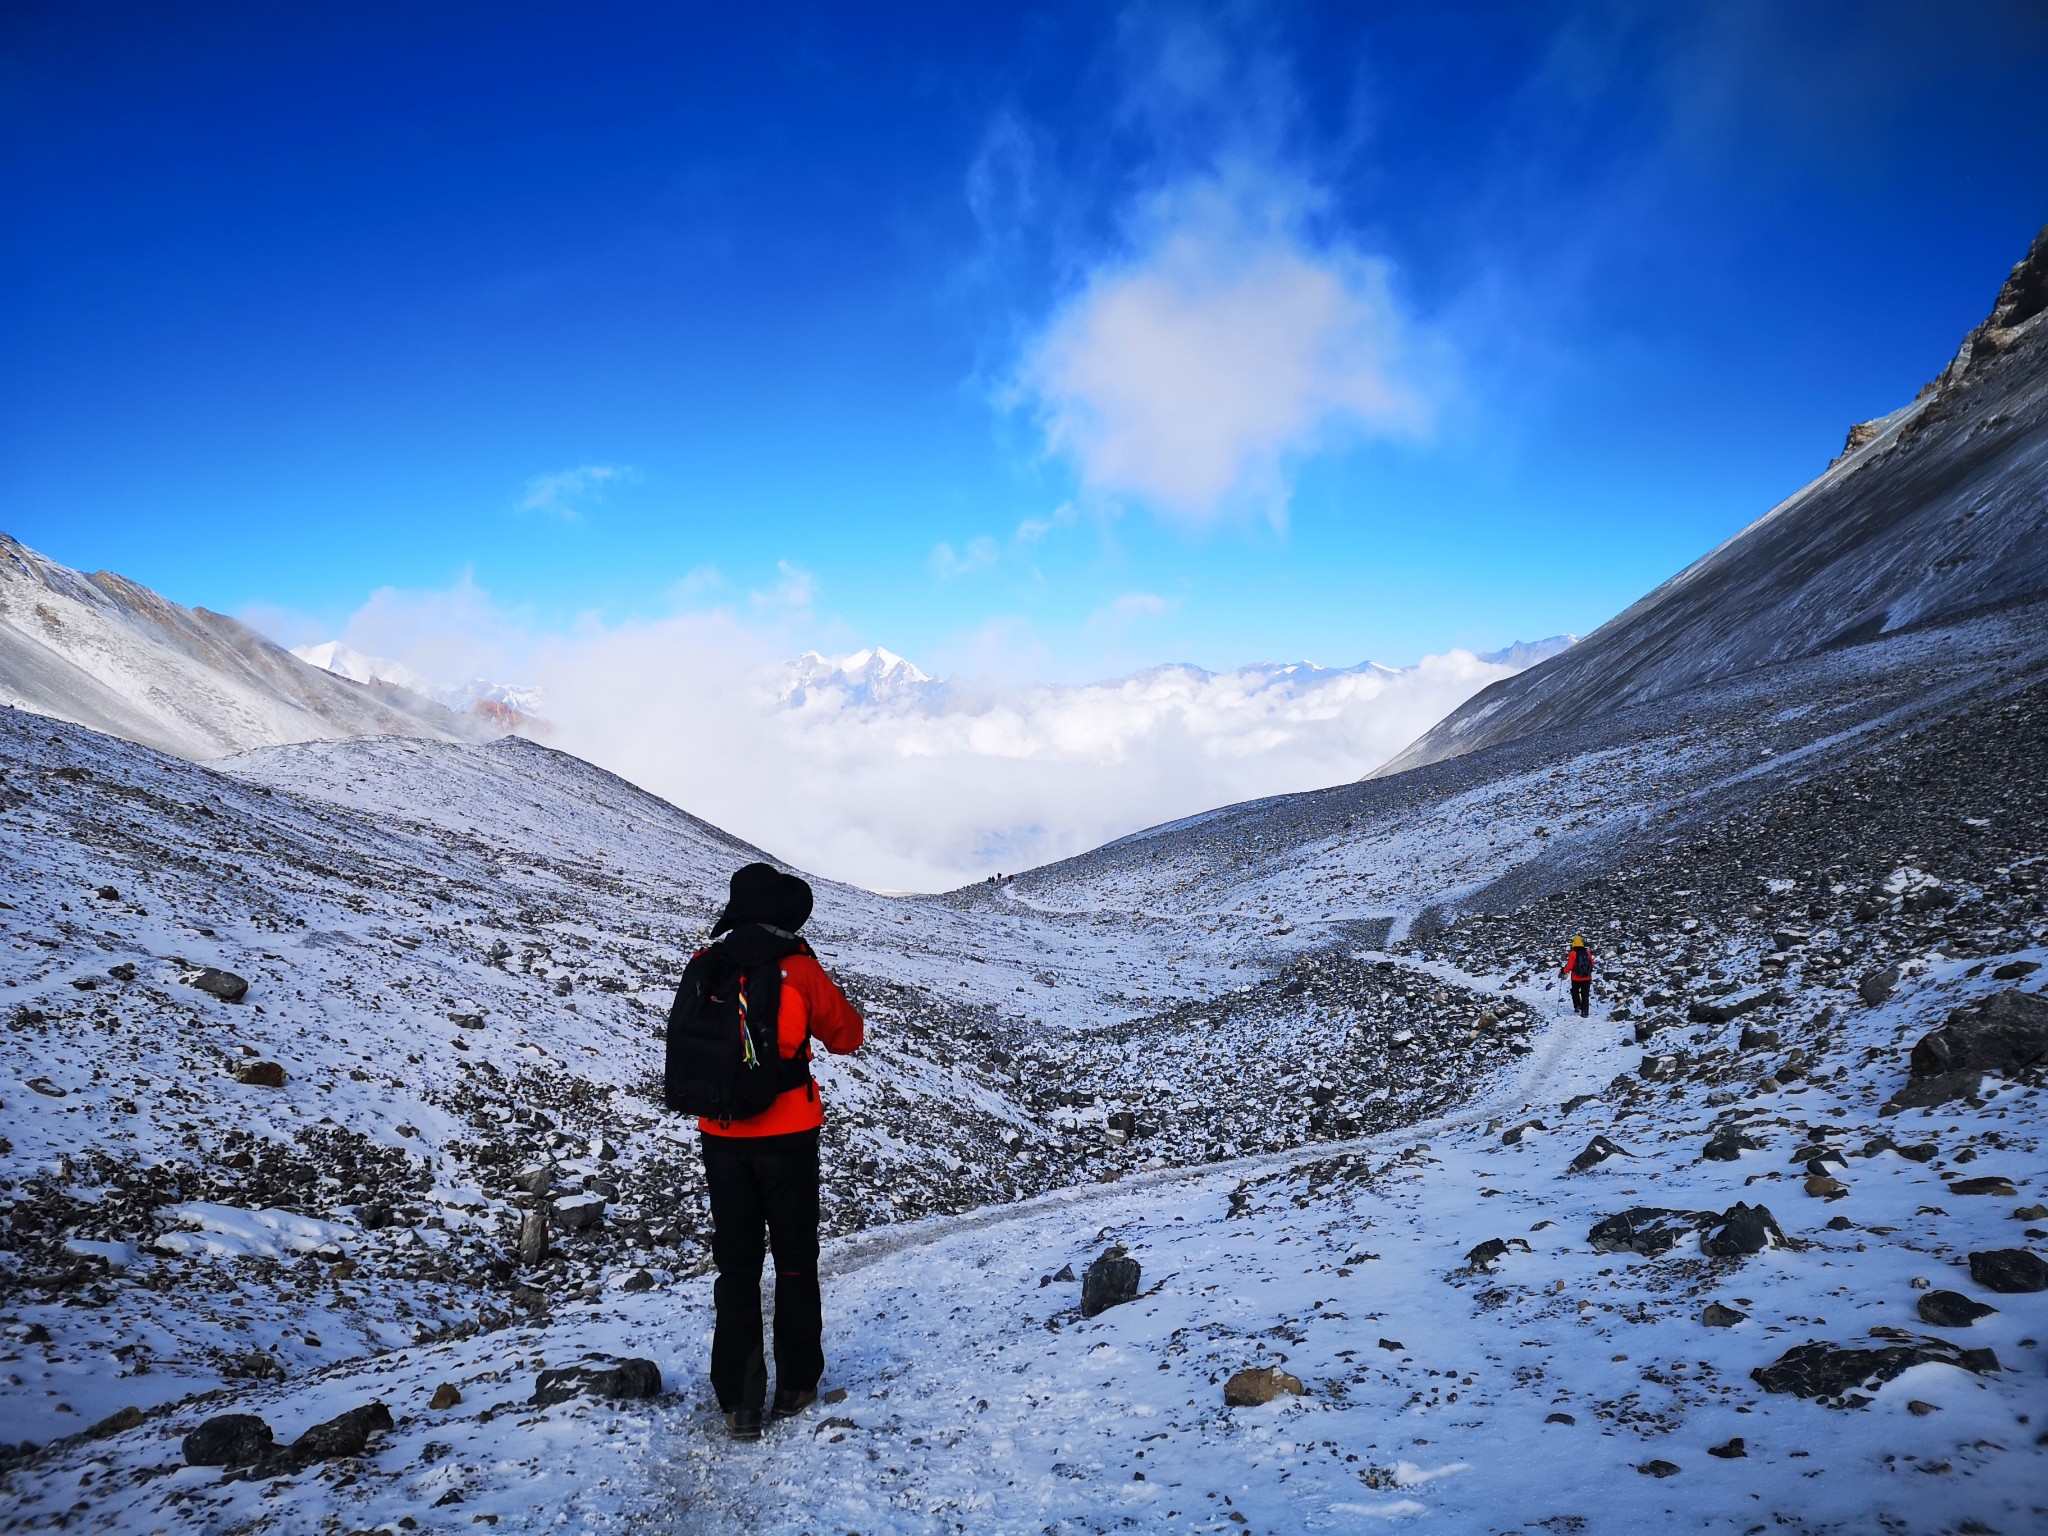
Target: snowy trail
{"x":861,"y":1250}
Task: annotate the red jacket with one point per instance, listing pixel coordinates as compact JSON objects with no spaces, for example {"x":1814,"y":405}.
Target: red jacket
{"x":812,"y":1007}
{"x":1566,"y":969}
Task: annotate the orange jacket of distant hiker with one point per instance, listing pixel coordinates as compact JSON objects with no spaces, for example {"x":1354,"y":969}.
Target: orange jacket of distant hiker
{"x":812,"y":1007}
{"x":1571,"y":958}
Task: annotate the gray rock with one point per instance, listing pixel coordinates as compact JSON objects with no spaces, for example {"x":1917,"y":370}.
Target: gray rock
{"x":1727,"y":1144}
{"x":2006,"y":1030}
{"x":1726,"y":1012}
{"x":1755,"y":1039}
{"x":1951,"y":1309}
{"x":228,"y":1440}
{"x":346,"y":1434}
{"x":1714,"y":1315}
{"x":1646,"y":1229}
{"x":1597,"y":1151}
{"x":1742,"y":1230}
{"x":610,"y":1376}
{"x":580,"y":1215}
{"x":1829,"y":1372}
{"x":2009,"y":1271}
{"x":1109,"y":1282}
{"x":225,"y":985}
{"x":2015,"y":970}
{"x":533,"y":1238}
{"x":537,"y":1180}
{"x":1878,"y":985}
{"x":1489,"y":1253}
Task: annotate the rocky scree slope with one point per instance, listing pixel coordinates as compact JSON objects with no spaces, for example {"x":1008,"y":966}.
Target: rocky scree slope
{"x":1727,"y":1254}
{"x":433,"y":1110}
{"x":1933,"y":512}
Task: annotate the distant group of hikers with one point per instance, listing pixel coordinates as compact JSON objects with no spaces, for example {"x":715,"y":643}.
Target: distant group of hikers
{"x":739,"y":1059}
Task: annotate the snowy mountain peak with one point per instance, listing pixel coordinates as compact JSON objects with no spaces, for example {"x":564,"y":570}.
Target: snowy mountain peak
{"x":869,"y":676}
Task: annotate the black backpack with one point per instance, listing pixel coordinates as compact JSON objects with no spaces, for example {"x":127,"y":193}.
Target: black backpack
{"x":723,"y":1060}
{"x":1582,"y":964}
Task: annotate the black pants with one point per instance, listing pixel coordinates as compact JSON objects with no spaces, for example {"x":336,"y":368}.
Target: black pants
{"x":1582,"y":997}
{"x":764,"y":1184}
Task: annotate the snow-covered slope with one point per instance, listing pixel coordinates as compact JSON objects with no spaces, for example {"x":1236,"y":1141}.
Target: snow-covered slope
{"x":106,"y":653}
{"x":1938,"y":510}
{"x":170,"y":1228}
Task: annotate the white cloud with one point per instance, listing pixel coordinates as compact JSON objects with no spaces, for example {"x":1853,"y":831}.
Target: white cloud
{"x":932,"y":789}
{"x":1127,"y":608}
{"x":569,"y":492}
{"x":1193,"y":372}
{"x":979,"y":555}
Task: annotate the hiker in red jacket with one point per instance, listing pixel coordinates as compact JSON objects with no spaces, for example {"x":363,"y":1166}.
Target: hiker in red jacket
{"x":761,"y":1171}
{"x":1578,"y":966}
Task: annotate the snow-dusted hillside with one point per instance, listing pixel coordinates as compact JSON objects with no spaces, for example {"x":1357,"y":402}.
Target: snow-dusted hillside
{"x":1931,"y":513}
{"x":354,"y":1230}
{"x":106,"y":653}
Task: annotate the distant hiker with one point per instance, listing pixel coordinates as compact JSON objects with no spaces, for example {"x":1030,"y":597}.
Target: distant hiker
{"x":739,"y":1058}
{"x":1578,"y":965}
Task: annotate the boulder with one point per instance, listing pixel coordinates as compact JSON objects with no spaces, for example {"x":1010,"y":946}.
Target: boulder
{"x":1951,"y":1309}
{"x":1256,"y":1386}
{"x":261,"y":1074}
{"x":1647,"y":1230}
{"x":1728,"y":1011}
{"x":533,"y":1237}
{"x":1657,"y":1468}
{"x":2006,"y":1030}
{"x":582,"y":1214}
{"x":1597,"y":1151}
{"x":1714,"y":1315}
{"x":2009,"y":1271}
{"x":1875,"y":987}
{"x":536,"y":1181}
{"x":1732,"y":1450}
{"x":229,"y":1440}
{"x":609,"y":1376}
{"x":1489,"y":1253}
{"x":1109,"y":1282}
{"x":346,"y":1434}
{"x":117,"y":1422}
{"x":225,"y":985}
{"x":2015,"y":970}
{"x":1728,"y":1144}
{"x":1926,"y":1092}
{"x":446,"y":1396}
{"x":1831,"y":1371}
{"x":1984,"y":1184}
{"x":1755,"y":1039}
{"x":1742,"y":1230}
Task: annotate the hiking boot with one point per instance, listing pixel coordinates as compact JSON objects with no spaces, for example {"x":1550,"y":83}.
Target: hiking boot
{"x":788,"y":1403}
{"x":744,"y":1423}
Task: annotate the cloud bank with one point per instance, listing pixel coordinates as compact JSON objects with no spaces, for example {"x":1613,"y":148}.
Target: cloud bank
{"x":1195,"y":371}
{"x":922,"y":787}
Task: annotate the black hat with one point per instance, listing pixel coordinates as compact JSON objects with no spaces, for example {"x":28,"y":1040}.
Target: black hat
{"x":761,"y":893}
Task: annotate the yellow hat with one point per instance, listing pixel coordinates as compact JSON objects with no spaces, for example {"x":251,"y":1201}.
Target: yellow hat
{"x":1578,"y":941}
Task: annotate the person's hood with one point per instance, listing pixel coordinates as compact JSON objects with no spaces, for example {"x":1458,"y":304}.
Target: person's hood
{"x":761,"y":893}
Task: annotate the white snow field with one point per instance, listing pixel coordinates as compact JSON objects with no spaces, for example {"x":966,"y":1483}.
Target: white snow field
{"x":459,"y":955}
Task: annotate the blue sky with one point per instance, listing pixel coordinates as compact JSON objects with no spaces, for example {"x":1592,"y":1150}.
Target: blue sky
{"x":1041,"y":340}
